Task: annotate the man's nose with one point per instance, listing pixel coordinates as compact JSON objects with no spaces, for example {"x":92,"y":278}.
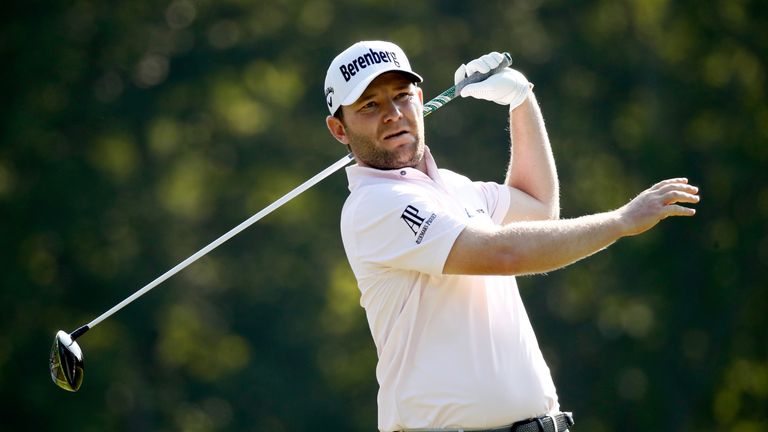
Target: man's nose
{"x":392,"y":111}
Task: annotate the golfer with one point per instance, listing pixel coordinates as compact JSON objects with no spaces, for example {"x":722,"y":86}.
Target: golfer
{"x":435,"y":253}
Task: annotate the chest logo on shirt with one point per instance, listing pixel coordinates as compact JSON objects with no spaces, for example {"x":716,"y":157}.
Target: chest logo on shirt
{"x":417,"y":224}
{"x":477,"y":212}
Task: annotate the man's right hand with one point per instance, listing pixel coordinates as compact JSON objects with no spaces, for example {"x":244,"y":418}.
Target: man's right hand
{"x":656,"y":203}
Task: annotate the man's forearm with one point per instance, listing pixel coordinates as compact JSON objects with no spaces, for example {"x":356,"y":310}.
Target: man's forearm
{"x":532,"y":165}
{"x":541,"y":246}
{"x":534,"y":246}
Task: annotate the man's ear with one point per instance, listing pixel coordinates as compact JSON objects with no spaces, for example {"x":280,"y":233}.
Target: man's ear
{"x":337,"y":129}
{"x":420,"y":92}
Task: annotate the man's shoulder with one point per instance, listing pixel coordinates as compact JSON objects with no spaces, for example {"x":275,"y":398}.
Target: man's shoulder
{"x":376,"y":197}
{"x":383,"y":188}
{"x":379,"y":200}
{"x":453,"y":177}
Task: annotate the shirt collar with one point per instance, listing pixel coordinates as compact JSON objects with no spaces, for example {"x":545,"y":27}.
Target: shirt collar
{"x":360,"y":175}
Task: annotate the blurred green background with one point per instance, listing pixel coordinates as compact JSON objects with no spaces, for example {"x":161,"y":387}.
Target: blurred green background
{"x":134,"y":133}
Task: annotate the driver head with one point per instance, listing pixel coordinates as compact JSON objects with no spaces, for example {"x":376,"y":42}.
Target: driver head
{"x":66,"y":362}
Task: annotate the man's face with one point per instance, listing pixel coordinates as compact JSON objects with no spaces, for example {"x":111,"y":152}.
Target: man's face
{"x":385,"y":126}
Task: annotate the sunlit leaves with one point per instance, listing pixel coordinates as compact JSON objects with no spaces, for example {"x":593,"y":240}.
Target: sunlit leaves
{"x":280,"y":84}
{"x":115,"y":154}
{"x":744,"y":389}
{"x":135,"y":132}
{"x":184,"y":189}
{"x":315,"y":16}
{"x":241,"y":114}
{"x":194,"y":337}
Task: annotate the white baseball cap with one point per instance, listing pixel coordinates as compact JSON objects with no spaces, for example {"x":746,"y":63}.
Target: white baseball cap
{"x":351,"y":71}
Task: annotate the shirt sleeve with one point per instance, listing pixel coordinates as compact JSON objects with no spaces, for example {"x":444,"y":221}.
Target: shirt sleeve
{"x":494,"y":197}
{"x":497,"y":198}
{"x":400,"y":228}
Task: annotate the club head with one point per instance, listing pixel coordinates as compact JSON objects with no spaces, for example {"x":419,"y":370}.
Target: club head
{"x":66,"y":362}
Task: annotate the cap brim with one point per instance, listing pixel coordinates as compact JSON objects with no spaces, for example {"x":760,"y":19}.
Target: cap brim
{"x":362,"y":85}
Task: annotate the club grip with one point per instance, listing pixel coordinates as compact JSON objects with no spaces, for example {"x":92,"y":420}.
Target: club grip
{"x":477,"y":76}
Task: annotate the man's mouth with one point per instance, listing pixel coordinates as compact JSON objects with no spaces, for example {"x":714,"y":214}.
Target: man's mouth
{"x":395,"y":135}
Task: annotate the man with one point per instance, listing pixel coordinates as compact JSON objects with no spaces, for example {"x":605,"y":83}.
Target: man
{"x":435,"y":254}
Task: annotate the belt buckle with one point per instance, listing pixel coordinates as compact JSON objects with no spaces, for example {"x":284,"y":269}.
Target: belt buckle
{"x":538,"y":421}
{"x":568,"y":418}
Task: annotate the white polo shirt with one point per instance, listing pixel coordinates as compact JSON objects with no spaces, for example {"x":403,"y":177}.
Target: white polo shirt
{"x":454,"y":351}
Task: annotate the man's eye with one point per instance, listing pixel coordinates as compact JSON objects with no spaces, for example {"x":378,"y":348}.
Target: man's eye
{"x":405,"y":95}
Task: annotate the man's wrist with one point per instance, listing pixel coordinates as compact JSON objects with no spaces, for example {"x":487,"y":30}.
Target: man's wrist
{"x":527,"y":99}
{"x":518,"y":102}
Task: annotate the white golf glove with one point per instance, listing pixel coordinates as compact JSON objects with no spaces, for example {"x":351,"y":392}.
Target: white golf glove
{"x":508,"y":87}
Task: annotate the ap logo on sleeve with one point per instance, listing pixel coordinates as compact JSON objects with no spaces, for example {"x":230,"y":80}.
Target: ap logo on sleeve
{"x":417,"y":223}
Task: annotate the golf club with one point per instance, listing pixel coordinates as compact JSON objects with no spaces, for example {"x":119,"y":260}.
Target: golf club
{"x":66,"y":359}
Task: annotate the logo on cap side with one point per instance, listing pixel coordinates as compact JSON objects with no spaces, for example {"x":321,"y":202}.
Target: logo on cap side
{"x":368,"y":59}
{"x":329,"y":96}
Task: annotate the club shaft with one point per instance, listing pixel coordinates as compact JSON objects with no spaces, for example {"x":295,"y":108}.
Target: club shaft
{"x":430,"y":107}
{"x":228,"y":235}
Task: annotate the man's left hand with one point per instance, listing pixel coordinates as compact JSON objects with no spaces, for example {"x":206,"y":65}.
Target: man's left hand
{"x":508,"y":87}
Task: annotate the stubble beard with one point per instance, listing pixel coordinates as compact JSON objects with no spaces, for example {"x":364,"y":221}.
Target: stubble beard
{"x":367,"y":151}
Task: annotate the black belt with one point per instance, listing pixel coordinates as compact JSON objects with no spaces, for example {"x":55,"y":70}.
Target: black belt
{"x":563,"y":421}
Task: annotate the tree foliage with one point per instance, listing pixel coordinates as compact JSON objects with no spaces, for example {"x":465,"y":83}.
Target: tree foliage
{"x":134,"y":133}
